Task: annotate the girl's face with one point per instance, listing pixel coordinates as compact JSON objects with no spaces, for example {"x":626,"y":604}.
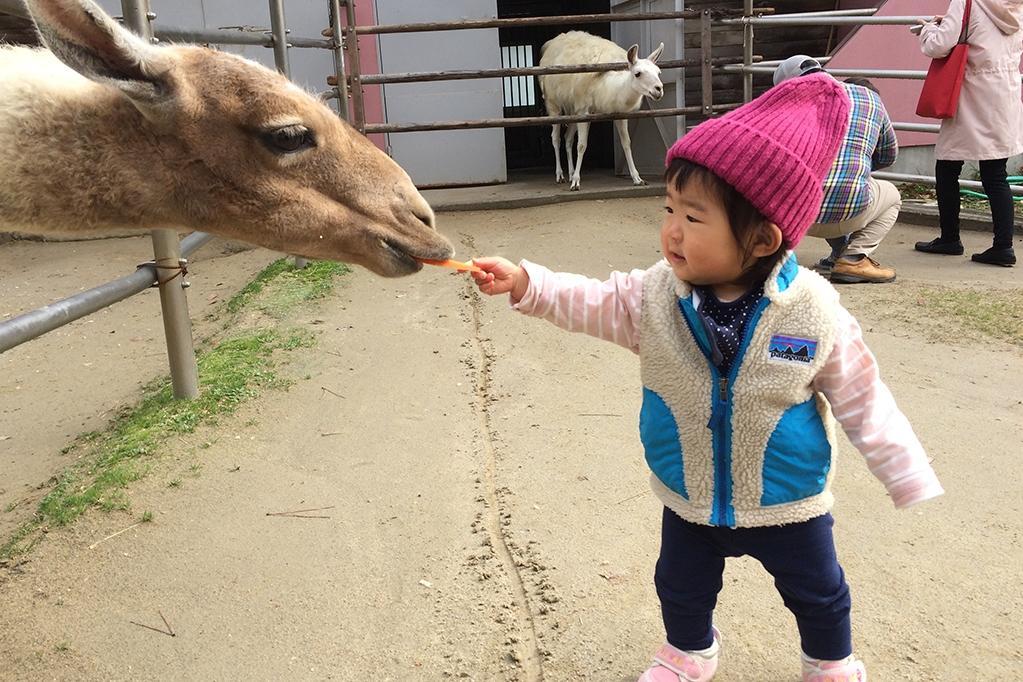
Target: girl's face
{"x":696,"y":237}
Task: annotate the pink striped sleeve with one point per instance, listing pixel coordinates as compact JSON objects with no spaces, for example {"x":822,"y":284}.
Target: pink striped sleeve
{"x":866,"y":409}
{"x":608,"y":310}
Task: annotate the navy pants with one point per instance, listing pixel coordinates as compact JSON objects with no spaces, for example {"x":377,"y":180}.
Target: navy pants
{"x":800,"y":556}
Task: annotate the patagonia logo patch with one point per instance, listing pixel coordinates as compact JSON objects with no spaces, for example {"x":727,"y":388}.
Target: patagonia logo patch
{"x":791,"y":349}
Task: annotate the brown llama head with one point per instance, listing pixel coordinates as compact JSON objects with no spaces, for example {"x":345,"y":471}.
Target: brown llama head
{"x":240,"y":151}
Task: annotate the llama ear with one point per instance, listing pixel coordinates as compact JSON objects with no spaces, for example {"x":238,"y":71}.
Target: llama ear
{"x":85,"y":38}
{"x":633,"y":53}
{"x":656,"y":53}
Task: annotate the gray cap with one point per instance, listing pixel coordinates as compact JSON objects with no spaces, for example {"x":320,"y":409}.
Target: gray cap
{"x":796,"y":65}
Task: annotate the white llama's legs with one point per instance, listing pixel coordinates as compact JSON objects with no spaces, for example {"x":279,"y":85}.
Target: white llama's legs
{"x":569,"y":144}
{"x":622,"y":126}
{"x":580,"y":148}
{"x":559,"y":176}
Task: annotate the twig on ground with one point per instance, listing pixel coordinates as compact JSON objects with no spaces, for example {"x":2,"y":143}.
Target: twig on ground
{"x":168,"y":631}
{"x":632,"y":497}
{"x":599,"y":414}
{"x":332,"y":392}
{"x":169,"y":628}
{"x":301,"y":513}
{"x":98,"y":542}
{"x":333,"y":433}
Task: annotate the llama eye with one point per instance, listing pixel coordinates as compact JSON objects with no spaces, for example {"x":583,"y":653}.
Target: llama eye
{"x":288,"y":140}
{"x":636,"y":74}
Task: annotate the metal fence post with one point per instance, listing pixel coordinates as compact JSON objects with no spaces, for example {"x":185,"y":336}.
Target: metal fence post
{"x":352,"y":45}
{"x":279,"y":30}
{"x":339,"y":59}
{"x":706,"y":69}
{"x":747,"y":51}
{"x":177,"y":326}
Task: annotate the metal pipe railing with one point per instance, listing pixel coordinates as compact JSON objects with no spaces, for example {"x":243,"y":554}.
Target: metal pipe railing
{"x":35,"y":323}
{"x":917,"y":127}
{"x":799,"y":20}
{"x":1017,"y":190}
{"x":866,"y":73}
{"x":866,"y":12}
{"x":233,"y":37}
{"x":537,"y":120}
{"x":421,"y":76}
{"x":533,"y":21}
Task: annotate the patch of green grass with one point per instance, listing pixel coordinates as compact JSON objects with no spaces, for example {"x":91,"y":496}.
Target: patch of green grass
{"x":993,"y":313}
{"x":230,"y":373}
{"x":147,"y":516}
{"x":63,"y":647}
{"x":291,"y":285}
{"x":176,"y":483}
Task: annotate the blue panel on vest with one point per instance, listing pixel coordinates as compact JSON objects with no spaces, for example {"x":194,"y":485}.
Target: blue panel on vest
{"x":798,"y":456}
{"x":659,"y":433}
{"x":788,"y":272}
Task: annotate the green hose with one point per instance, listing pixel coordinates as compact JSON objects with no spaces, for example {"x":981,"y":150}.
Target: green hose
{"x":1012,"y":179}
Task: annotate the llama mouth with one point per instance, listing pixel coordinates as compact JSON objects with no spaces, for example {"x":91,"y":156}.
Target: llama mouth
{"x":399,"y":254}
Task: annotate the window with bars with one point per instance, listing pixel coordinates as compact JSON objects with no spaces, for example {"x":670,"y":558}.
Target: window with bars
{"x":519,"y":91}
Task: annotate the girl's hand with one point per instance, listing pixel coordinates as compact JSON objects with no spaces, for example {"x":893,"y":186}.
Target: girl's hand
{"x":500,"y":276}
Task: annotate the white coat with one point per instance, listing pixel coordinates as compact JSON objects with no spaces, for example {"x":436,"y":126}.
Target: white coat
{"x":989,"y":121}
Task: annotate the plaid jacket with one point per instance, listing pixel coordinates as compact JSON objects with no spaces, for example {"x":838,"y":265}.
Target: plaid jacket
{"x":869,"y":145}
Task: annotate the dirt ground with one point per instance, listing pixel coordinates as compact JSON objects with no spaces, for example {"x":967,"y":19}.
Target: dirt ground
{"x":490,"y":516}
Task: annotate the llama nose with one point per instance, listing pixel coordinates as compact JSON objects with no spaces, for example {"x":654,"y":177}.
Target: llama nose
{"x":658,"y":92}
{"x":414,"y":203}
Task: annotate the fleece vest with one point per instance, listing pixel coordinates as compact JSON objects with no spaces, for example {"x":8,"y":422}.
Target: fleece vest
{"x":753,"y":447}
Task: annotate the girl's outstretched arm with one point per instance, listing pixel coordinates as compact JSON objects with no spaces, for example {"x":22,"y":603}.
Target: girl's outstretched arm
{"x":608,"y":310}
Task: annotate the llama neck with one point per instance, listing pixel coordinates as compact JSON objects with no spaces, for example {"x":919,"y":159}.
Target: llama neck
{"x":77,"y":156}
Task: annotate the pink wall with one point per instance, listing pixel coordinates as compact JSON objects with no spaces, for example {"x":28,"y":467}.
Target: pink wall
{"x":369,"y":62}
{"x":892,"y":47}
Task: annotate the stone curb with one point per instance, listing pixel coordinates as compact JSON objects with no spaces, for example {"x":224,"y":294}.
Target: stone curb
{"x":914,"y":213}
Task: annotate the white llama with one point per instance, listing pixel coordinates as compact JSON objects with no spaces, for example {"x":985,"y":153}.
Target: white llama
{"x":610,"y":92}
{"x":108,"y":133}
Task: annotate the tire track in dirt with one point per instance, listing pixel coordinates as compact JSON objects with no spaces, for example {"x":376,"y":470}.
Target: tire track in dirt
{"x":525,"y":643}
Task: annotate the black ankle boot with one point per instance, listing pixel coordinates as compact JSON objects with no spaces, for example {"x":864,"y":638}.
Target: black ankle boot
{"x":946,"y":248}
{"x":1004,"y":257}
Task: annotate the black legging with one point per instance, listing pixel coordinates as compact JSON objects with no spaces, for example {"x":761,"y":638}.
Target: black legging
{"x":993,"y":177}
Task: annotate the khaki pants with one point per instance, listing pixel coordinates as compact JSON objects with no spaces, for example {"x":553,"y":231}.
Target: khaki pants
{"x":868,"y":228}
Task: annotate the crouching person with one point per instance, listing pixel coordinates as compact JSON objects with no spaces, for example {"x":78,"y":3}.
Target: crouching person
{"x":858,"y":211}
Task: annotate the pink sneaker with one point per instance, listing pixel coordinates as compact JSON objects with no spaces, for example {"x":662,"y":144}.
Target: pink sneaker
{"x":674,"y":665}
{"x":847,"y":670}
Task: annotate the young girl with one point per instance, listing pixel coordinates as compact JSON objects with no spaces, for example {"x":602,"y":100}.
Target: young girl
{"x":738,"y":346}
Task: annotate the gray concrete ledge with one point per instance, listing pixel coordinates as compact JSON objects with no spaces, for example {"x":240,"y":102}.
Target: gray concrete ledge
{"x":535,"y":188}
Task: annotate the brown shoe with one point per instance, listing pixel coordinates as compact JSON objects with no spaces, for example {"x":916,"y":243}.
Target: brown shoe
{"x":863,"y":271}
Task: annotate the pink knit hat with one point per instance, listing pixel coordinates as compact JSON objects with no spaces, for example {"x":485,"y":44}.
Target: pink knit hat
{"x":777,"y":149}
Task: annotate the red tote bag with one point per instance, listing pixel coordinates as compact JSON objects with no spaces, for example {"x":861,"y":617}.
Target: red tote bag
{"x":939,"y":97}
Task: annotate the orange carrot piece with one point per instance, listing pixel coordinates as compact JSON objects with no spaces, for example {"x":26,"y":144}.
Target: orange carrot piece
{"x":453,"y":264}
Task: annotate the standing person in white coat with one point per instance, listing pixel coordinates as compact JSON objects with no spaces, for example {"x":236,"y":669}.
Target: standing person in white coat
{"x":988,"y":125}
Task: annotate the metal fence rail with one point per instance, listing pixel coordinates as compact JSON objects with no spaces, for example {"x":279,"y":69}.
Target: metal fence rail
{"x":35,"y":323}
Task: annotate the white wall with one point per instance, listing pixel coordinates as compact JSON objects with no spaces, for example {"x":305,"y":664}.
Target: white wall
{"x":443,"y":156}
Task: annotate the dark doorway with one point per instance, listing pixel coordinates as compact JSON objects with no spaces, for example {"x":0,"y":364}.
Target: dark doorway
{"x":530,"y":147}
